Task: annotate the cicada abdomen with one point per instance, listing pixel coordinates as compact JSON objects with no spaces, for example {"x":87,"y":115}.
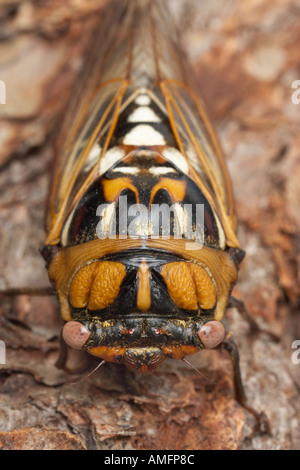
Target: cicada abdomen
{"x":141,"y":241}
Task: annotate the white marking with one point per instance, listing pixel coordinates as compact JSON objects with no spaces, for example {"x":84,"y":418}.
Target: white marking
{"x":194,"y":159}
{"x":144,"y":134}
{"x":142,"y":100}
{"x":143,"y":114}
{"x":92,"y":157}
{"x":161,"y":170}
{"x":130,"y":170}
{"x":111,"y":157}
{"x":174,"y":156}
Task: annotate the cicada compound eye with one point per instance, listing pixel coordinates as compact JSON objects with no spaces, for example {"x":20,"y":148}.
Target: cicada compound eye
{"x":75,"y":334}
{"x":212,"y":334}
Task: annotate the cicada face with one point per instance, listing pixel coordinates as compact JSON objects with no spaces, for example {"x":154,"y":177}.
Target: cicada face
{"x":140,"y":307}
{"x":141,"y":243}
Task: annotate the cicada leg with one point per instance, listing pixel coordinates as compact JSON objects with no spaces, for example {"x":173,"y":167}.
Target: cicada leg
{"x":71,"y":360}
{"x":254,"y":327}
{"x":263,"y":424}
{"x":67,"y":358}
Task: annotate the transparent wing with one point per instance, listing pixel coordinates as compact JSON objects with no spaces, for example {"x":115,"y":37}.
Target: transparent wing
{"x":197,"y":141}
{"x":135,"y":47}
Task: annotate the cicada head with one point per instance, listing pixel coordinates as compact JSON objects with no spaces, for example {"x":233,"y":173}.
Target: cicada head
{"x":146,"y":306}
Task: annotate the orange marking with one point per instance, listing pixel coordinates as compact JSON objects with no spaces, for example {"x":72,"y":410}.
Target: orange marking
{"x":144,"y":291}
{"x":113,"y":188}
{"x":175,"y":188}
{"x":81,"y":286}
{"x":179,"y":352}
{"x":110,"y":354}
{"x":189,"y":285}
{"x":97,"y":285}
{"x":205,"y":288}
{"x":180,"y":285}
{"x":159,"y":157}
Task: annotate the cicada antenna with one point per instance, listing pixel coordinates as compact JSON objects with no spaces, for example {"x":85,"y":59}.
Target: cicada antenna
{"x":200,"y":373}
{"x":90,"y":373}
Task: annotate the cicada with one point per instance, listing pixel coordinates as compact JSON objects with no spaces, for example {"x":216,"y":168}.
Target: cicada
{"x":141,"y":243}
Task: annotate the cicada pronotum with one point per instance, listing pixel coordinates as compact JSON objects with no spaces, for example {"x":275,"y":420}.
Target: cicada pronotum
{"x":138,"y":275}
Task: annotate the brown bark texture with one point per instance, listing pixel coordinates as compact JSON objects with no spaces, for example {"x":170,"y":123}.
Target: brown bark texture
{"x":246,"y":56}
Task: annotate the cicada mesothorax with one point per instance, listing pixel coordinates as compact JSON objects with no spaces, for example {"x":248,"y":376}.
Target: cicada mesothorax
{"x":141,"y":244}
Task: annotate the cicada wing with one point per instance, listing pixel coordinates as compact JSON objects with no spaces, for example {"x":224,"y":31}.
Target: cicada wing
{"x":77,"y":166}
{"x":121,"y":59}
{"x":135,"y":47}
{"x":198,"y":142}
{"x":91,"y":114}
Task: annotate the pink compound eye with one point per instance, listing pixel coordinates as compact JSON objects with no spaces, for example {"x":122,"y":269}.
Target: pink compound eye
{"x":75,"y":334}
{"x":212,"y":334}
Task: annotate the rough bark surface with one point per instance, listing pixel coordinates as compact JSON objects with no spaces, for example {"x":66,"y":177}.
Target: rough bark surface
{"x":246,"y":56}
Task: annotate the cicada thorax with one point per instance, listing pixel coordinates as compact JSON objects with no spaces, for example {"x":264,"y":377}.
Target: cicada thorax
{"x":137,"y":268}
{"x":144,"y":262}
